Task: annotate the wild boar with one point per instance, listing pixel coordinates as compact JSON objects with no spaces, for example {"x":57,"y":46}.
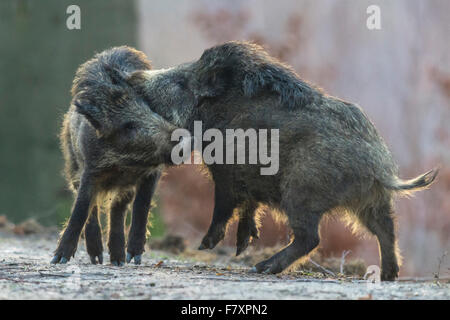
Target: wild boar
{"x":114,"y":147}
{"x":331,"y":157}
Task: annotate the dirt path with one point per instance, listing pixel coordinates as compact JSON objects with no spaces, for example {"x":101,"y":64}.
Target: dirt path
{"x":25,"y":273}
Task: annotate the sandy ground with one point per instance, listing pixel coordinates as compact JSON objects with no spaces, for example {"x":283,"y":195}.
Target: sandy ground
{"x":25,"y":273}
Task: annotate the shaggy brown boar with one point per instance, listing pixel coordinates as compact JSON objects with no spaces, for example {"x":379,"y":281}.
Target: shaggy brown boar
{"x":331,"y":157}
{"x":113,"y":146}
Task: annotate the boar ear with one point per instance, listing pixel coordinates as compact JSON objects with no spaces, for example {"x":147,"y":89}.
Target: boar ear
{"x":90,"y":112}
{"x":117,"y":76}
{"x":214,"y":81}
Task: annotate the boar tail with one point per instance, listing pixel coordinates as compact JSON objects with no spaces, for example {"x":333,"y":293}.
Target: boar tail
{"x":419,"y":183}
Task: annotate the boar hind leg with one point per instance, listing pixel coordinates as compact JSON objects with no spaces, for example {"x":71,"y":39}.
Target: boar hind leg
{"x":93,"y":237}
{"x":223,"y":211}
{"x":116,"y":236}
{"x":139,"y":220}
{"x":306,"y":238}
{"x":247,"y":228}
{"x":67,"y":244}
{"x":379,"y":220}
{"x":304,"y":211}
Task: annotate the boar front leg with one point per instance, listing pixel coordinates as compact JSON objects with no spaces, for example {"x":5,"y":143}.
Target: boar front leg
{"x":139,"y":220}
{"x":93,"y":237}
{"x":67,"y":244}
{"x":223,"y":211}
{"x":116,"y":239}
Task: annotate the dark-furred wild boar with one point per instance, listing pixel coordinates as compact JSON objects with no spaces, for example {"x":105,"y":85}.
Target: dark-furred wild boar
{"x":331,"y":157}
{"x":114,"y":147}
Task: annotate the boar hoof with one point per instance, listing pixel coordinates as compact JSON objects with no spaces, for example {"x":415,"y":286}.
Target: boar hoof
{"x":264,"y":270}
{"x":96,"y":259}
{"x":244,"y":240}
{"x":58,"y":259}
{"x":390,"y":274}
{"x":117,"y":263}
{"x":117,"y":259}
{"x":65,"y":250}
{"x":269,"y":266}
{"x":137,"y":258}
{"x":210,"y":241}
{"x":247,"y":231}
{"x":242,"y":246}
{"x":253,"y":270}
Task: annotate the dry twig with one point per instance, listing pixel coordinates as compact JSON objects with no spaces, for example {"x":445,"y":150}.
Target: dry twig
{"x":322,"y":268}
{"x":344,"y":254}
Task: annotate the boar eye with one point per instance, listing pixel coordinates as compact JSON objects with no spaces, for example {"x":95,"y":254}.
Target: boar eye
{"x":181,"y":84}
{"x":117,"y":95}
{"x":129,"y":126}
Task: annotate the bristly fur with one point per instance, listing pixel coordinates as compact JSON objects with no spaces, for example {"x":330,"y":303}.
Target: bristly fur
{"x":114,"y":147}
{"x":258,"y":73}
{"x":332,"y":158}
{"x":95,"y":71}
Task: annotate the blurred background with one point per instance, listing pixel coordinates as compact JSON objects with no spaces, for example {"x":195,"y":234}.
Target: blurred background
{"x":400,"y":75}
